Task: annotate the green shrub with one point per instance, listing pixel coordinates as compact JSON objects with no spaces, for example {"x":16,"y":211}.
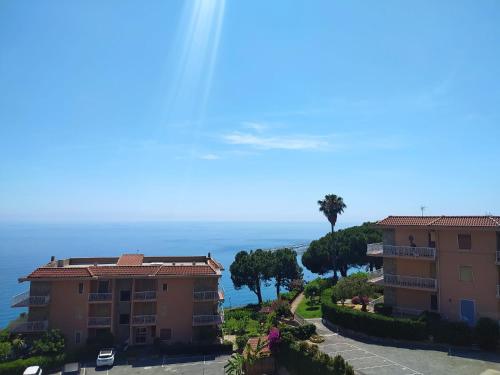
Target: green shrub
{"x":290,"y":296}
{"x":5,"y":351}
{"x":281,"y":308}
{"x":51,"y":343}
{"x":487,"y":333}
{"x":302,"y":358}
{"x":47,"y":363}
{"x":241,"y":341}
{"x":300,"y":332}
{"x":374,"y":324}
{"x":382,"y":309}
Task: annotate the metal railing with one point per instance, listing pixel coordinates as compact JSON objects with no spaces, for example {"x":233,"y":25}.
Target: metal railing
{"x":375,"y":274}
{"x":410,"y":281}
{"x":145,"y":295}
{"x":100,"y":297}
{"x":401,"y":251}
{"x":99,"y":321}
{"x":208,"y":295}
{"x":24,"y":300}
{"x":143,"y":319}
{"x":201,"y":320}
{"x":376,"y":300}
{"x":29,"y":327}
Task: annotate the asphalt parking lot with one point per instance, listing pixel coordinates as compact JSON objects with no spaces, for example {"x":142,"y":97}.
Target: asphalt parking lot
{"x":374,"y":358}
{"x":179,"y":365}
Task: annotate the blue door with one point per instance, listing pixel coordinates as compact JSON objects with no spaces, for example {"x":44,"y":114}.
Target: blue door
{"x":467,"y":311}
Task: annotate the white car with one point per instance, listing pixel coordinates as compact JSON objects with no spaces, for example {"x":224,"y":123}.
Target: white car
{"x":33,"y":370}
{"x":106,"y":357}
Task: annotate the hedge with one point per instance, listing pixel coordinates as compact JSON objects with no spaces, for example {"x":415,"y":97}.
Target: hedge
{"x":302,"y":358}
{"x":45,"y":362}
{"x":374,"y":324}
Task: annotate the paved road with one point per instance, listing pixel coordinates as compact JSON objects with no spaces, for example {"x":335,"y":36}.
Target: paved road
{"x":167,"y":365}
{"x":373,"y":358}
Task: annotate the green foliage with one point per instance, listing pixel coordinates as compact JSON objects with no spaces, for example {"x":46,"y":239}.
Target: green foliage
{"x":332,"y":206}
{"x":51,"y":343}
{"x":281,"y":308}
{"x":374,"y":324}
{"x":241,"y":341}
{"x":380,"y":308}
{"x":302,"y":358}
{"x":5,"y":351}
{"x":45,"y":362}
{"x":455,"y":333}
{"x":285,"y":269}
{"x":289,"y":296}
{"x":234,"y":365}
{"x":347,"y":245}
{"x":309,"y":309}
{"x":487,"y":333}
{"x":301,"y":332}
{"x":250,"y":269}
{"x":312,"y":291}
{"x":353,"y":285}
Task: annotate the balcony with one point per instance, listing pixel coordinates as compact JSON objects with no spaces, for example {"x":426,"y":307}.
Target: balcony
{"x":410,"y":282}
{"x":376,"y":275}
{"x":30,"y":327}
{"x":143,"y":320}
{"x":149,"y":295}
{"x":99,"y":321}
{"x":379,"y":249}
{"x":208,"y":320}
{"x":100,"y":297}
{"x":24,"y":300}
{"x":208,"y":295}
{"x":498,"y":258}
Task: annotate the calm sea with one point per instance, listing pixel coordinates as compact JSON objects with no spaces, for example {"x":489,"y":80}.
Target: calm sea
{"x":23,"y":247}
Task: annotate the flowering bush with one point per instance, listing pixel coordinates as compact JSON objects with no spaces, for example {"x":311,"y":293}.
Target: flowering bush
{"x":357,"y":301}
{"x":273,"y":338}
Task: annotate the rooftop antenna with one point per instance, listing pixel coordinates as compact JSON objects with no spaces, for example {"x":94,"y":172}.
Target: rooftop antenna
{"x":422,"y":208}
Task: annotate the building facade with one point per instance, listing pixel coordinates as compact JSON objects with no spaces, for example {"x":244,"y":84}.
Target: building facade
{"x":133,"y":297}
{"x":445,"y":264}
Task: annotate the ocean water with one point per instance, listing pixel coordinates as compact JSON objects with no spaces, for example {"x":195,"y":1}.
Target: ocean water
{"x":23,"y":247}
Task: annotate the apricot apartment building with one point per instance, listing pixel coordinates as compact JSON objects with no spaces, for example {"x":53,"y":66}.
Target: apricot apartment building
{"x":136,"y":298}
{"x":446,"y":264}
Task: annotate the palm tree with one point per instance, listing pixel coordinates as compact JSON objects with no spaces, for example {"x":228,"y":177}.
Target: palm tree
{"x":332,"y":206}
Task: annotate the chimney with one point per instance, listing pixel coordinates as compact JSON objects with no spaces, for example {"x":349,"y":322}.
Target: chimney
{"x":209,"y":255}
{"x":52,"y":258}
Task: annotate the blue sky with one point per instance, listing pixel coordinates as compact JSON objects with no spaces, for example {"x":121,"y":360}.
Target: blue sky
{"x":247,"y":110}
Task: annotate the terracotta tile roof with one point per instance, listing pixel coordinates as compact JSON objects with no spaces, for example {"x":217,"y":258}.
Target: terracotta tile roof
{"x":110,"y":271}
{"x":442,"y":221}
{"x":185,"y":270}
{"x":253,"y":341}
{"x":130,"y":260}
{"x":59,"y":272}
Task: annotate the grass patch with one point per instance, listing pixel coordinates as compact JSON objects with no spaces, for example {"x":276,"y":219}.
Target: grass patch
{"x":309,"y":309}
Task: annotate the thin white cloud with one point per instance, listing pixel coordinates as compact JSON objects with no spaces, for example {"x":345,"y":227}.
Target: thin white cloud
{"x":210,"y":157}
{"x":256,"y":126}
{"x":273,"y":142}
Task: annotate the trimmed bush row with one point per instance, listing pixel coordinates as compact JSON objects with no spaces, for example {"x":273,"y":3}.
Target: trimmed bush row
{"x":486,"y":333}
{"x":19,"y":365}
{"x":374,"y":324}
{"x":302,"y":358}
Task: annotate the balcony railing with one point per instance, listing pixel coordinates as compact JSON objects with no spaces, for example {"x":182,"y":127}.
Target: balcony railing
{"x":376,"y":275}
{"x":498,"y":257}
{"x":100,"y":297}
{"x":30,"y":327}
{"x":24,"y":300}
{"x":149,"y":295}
{"x":207,"y":320}
{"x":379,"y":249}
{"x":411,"y":282}
{"x":208,"y":295}
{"x":144,"y":320}
{"x":99,"y":321}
